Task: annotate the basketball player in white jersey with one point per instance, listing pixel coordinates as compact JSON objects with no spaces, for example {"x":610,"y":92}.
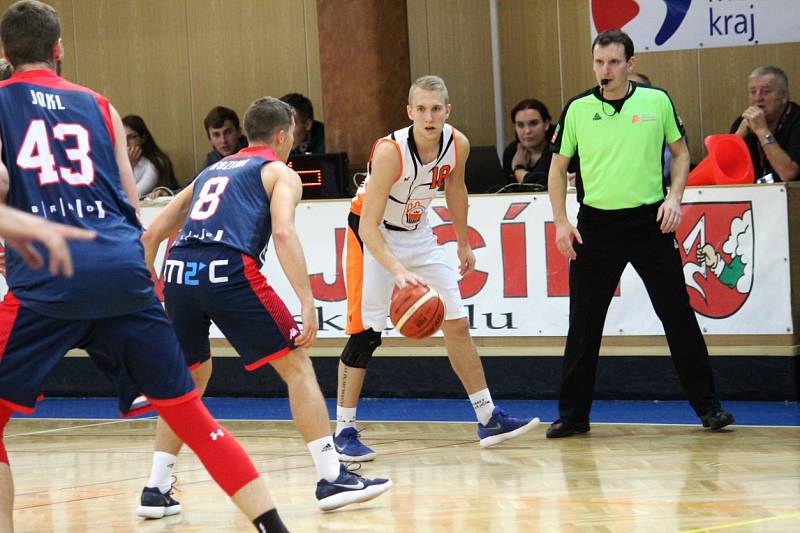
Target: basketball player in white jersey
{"x":390,"y":242}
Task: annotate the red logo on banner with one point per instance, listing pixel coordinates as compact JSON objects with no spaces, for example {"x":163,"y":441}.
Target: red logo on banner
{"x":615,"y":14}
{"x":336,"y":291}
{"x":716,"y":246}
{"x":610,"y":14}
{"x":558,"y":265}
{"x":473,"y":283}
{"x":514,"y":252}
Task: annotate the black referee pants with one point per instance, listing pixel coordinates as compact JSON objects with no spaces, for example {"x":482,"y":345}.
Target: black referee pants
{"x":611,"y":240}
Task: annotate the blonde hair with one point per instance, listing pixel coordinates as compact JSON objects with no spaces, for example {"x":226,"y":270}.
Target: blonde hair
{"x":429,"y":83}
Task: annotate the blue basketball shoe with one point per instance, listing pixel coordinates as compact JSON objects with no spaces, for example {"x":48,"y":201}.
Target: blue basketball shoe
{"x":349,"y":448}
{"x":503,"y":426}
{"x":157,"y":504}
{"x":349,"y":488}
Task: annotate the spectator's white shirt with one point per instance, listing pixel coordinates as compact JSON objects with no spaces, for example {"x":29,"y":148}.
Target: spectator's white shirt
{"x":146,"y":176}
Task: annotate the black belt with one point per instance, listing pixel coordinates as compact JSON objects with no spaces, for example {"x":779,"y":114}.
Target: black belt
{"x":394,"y":228}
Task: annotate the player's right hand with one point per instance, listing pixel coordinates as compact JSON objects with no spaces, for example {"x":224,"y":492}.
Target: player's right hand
{"x":566,"y":233}
{"x":409,"y":278}
{"x":150,"y":252}
{"x":308,"y":335}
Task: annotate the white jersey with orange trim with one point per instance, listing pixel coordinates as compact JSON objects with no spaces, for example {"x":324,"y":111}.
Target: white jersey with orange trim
{"x":417,"y":184}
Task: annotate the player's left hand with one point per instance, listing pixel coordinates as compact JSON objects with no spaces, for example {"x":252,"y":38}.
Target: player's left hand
{"x":53,"y":236}
{"x":308,"y":313}
{"x":466,"y":260}
{"x":756,"y":119}
{"x":669,"y":214}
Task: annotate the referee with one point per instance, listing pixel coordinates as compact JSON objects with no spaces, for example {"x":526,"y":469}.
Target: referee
{"x":618,"y":129}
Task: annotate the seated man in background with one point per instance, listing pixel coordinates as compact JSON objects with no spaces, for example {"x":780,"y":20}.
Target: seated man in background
{"x":770,"y":126}
{"x":309,"y":134}
{"x":224,"y":133}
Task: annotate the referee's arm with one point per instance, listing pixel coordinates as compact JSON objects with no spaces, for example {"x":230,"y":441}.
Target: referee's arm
{"x":557,"y":189}
{"x":669,"y":214}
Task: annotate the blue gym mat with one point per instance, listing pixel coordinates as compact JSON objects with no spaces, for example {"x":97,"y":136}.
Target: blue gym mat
{"x":396,"y":410}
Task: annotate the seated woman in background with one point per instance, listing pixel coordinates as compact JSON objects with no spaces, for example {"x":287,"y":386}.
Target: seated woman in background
{"x":527,"y":159}
{"x":152,"y":168}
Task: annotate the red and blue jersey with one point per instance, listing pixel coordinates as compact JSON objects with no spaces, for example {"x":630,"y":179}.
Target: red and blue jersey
{"x":58,"y":147}
{"x":229,"y":205}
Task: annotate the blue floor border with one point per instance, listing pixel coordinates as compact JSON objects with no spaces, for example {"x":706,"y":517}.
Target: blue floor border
{"x":398,"y":410}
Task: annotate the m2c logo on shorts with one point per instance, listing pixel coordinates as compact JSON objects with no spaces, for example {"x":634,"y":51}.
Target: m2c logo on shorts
{"x":187,"y":272}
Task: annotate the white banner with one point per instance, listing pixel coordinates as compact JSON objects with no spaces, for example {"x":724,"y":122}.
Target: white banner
{"x":521,"y":286}
{"x":656,"y":25}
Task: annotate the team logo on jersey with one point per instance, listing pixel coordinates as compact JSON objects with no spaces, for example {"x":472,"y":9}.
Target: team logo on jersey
{"x":597,"y":117}
{"x":716,"y":246}
{"x":72,"y":206}
{"x":644,"y":117}
{"x":414,"y":212}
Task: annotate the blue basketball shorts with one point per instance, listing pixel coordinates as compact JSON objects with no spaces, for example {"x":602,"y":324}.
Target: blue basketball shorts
{"x":223,"y":285}
{"x":139,"y":351}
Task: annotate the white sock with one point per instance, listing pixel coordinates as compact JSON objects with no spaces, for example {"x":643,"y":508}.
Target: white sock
{"x":483,"y":405}
{"x":345,"y":418}
{"x":325,"y":459}
{"x":161,"y":474}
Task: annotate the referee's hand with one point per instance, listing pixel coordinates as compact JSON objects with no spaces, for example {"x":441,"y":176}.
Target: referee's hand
{"x":565,"y":234}
{"x":669,"y":214}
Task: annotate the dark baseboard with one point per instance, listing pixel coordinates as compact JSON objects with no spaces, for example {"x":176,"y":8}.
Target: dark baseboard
{"x":760,"y":378}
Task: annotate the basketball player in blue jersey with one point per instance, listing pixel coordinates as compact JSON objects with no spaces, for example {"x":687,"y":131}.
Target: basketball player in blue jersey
{"x":64,"y":158}
{"x":390,"y":242}
{"x":213,"y":273}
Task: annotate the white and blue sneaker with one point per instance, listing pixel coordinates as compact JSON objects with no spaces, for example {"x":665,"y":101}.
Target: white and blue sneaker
{"x":157,"y":504}
{"x":503,"y":426}
{"x":349,"y":448}
{"x":349,"y":488}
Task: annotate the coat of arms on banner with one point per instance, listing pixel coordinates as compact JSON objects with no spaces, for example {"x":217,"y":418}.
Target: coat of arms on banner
{"x":716,"y":245}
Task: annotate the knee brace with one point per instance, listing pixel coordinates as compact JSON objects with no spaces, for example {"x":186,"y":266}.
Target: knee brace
{"x":360,"y":347}
{"x":5,"y":415}
{"x":221,"y":454}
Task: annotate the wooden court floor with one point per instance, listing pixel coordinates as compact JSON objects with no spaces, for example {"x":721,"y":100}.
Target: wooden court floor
{"x":79,"y":476}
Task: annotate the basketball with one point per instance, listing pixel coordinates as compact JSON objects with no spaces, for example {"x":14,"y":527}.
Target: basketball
{"x":417,"y":312}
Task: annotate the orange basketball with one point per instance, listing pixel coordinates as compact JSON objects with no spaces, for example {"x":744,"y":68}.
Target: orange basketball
{"x":417,"y":312}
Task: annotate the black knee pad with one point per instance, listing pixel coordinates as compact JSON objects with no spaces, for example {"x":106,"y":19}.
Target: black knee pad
{"x":360,"y":347}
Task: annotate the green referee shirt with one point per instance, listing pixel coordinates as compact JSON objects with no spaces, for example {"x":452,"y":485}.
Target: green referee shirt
{"x":619,"y":144}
